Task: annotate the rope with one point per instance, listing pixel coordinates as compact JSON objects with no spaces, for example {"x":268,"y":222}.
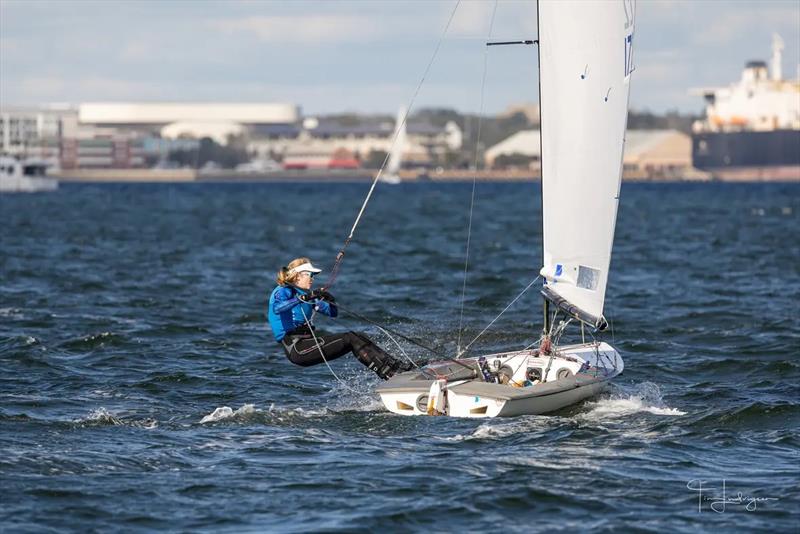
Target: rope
{"x":400,"y":348}
{"x":435,"y":352}
{"x":340,"y":255}
{"x":474,"y":180}
{"x":386,"y":330}
{"x":466,"y":348}
{"x":319,"y":348}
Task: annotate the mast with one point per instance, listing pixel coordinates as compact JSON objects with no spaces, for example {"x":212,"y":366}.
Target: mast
{"x":546,"y":304}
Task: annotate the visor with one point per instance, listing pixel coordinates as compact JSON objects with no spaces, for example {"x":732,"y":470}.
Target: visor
{"x":305,"y":267}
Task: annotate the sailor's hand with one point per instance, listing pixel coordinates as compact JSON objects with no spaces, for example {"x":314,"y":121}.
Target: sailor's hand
{"x":311,"y":296}
{"x":325,"y":295}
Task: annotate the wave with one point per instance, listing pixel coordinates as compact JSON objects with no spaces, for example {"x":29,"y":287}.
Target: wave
{"x":644,"y":397}
{"x":226,"y":412}
{"x":18,"y":342}
{"x":249,"y":413}
{"x":93,"y":341}
{"x":753,"y":415}
{"x":99,"y":417}
{"x":103,"y":417}
{"x":489,"y":431}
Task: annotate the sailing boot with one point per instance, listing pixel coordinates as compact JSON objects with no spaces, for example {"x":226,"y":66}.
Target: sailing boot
{"x":383,"y":364}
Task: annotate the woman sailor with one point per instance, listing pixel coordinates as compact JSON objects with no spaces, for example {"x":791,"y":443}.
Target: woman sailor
{"x":291,"y":307}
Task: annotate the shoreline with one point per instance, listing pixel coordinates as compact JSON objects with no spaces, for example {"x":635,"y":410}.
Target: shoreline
{"x":362,"y":175}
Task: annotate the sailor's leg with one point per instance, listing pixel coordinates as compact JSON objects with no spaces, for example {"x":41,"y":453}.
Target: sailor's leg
{"x":375,"y":358}
{"x":306,"y":352}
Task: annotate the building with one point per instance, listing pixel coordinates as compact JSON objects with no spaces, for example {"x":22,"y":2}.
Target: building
{"x":531,"y":112}
{"x":657,"y":155}
{"x":137,"y":135}
{"x":649,"y":154}
{"x":33,"y":132}
{"x":140,"y":134}
{"x":321,"y":142}
{"x":524,"y":143}
{"x":193,"y":120}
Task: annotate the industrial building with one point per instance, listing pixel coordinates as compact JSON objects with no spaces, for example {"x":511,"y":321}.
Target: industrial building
{"x":123,"y":135}
{"x":321,"y":143}
{"x":649,"y":154}
{"x":174,"y":120}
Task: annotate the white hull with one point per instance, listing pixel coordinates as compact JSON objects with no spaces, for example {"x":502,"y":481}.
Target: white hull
{"x":27,"y":184}
{"x":584,"y":371}
{"x":391,"y":179}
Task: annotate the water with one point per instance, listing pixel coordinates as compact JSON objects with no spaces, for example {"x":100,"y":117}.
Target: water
{"x":141,"y":390}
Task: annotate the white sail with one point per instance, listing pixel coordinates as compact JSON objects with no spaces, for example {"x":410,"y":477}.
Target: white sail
{"x":399,"y":147}
{"x":585,"y":66}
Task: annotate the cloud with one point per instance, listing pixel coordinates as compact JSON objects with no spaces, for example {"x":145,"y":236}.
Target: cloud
{"x":9,"y":46}
{"x":136,"y":51}
{"x":471,"y":20}
{"x":33,"y":89}
{"x":726,"y":28}
{"x":329,"y":56}
{"x":729,"y":27}
{"x":512,"y":20}
{"x":308,"y":29}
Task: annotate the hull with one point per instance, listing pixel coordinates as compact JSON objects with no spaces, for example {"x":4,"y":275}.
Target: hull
{"x":393,"y":179}
{"x":26,"y":184}
{"x":756,"y":174}
{"x":577,"y":373}
{"x":748,"y":155}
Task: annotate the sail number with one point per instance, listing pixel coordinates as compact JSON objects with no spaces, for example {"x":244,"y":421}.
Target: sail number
{"x":628,"y":55}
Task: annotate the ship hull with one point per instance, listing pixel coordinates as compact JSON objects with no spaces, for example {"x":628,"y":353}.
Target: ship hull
{"x":768,"y":155}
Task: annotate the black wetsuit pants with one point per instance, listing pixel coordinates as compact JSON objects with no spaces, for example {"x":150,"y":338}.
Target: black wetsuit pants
{"x":302,"y":349}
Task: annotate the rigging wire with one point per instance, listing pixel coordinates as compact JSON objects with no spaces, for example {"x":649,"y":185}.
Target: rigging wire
{"x":386,"y":330}
{"x":435,"y":351}
{"x":399,"y":347}
{"x":474,"y":181}
{"x":321,"y":353}
{"x":340,"y":255}
{"x":468,"y":345}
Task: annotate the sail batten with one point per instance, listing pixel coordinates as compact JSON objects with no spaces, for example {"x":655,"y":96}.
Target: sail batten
{"x":585,"y":53}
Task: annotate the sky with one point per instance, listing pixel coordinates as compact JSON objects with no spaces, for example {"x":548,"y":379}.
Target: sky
{"x":363,"y":56}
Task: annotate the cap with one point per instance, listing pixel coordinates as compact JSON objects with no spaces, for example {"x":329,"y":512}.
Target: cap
{"x":305,"y":267}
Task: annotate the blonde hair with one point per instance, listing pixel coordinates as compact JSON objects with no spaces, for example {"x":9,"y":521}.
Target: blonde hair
{"x":284,"y":278}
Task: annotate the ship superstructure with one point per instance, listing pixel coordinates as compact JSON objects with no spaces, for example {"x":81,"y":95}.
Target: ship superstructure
{"x":752,"y":127}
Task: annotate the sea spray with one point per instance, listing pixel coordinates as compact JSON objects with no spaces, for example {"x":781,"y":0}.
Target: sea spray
{"x":644,"y":397}
{"x":99,"y":417}
{"x":226,"y":412}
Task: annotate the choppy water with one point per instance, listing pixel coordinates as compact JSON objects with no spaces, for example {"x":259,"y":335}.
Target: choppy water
{"x":131,"y":316}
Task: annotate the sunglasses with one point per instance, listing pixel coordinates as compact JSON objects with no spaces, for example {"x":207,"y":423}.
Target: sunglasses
{"x":309,"y":274}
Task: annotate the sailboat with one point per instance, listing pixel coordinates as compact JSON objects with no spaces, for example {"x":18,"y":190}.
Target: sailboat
{"x":585,"y":65}
{"x":391,"y":174}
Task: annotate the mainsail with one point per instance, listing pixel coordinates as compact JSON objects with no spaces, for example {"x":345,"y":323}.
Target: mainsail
{"x":585,"y":66}
{"x":399,"y":146}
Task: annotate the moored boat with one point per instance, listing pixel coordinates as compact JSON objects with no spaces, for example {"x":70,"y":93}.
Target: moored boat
{"x":28,"y":176}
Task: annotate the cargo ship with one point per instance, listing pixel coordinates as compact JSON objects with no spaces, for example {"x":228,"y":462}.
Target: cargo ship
{"x":752,"y":127}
